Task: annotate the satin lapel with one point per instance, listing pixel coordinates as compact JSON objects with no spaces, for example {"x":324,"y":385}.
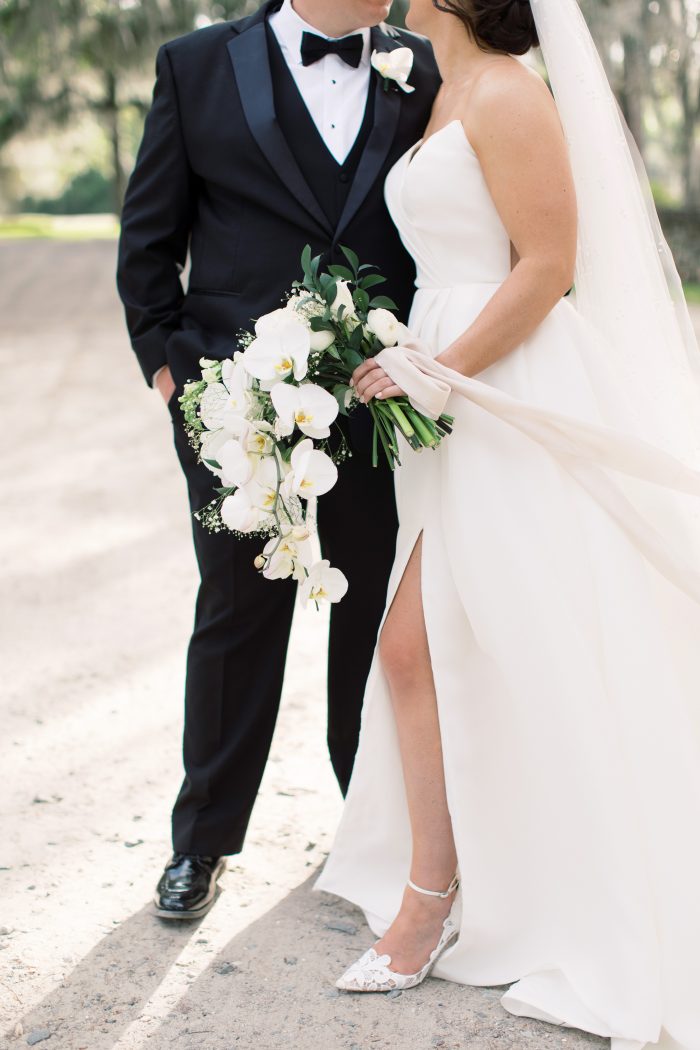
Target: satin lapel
{"x":251,"y":68}
{"x":387,"y":109}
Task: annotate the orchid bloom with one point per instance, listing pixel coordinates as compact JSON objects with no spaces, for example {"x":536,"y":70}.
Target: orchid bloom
{"x":280,"y":350}
{"x":323,"y":584}
{"x":288,"y":555}
{"x":308,"y":406}
{"x":313,"y":473}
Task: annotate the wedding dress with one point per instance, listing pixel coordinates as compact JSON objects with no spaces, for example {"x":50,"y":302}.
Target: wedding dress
{"x":561,"y":594}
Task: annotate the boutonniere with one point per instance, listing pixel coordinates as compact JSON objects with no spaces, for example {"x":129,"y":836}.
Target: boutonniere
{"x":394,"y":66}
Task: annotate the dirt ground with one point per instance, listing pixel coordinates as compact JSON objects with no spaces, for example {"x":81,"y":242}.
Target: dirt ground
{"x":98,"y":583}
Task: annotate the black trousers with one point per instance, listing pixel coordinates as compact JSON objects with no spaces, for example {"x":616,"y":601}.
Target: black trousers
{"x":236,"y":656}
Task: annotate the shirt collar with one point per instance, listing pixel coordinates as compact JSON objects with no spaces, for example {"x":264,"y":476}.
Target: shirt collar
{"x":289,"y":28}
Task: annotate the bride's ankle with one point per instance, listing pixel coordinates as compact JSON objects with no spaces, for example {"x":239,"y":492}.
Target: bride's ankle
{"x":433,"y":885}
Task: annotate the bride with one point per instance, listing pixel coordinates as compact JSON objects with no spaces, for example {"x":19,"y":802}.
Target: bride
{"x":525,"y":804}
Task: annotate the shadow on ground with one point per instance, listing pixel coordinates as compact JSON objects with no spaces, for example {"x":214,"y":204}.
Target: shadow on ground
{"x":272,"y":987}
{"x":110,"y":986}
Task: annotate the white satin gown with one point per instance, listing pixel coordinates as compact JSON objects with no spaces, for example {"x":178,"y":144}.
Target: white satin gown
{"x":564,"y":633}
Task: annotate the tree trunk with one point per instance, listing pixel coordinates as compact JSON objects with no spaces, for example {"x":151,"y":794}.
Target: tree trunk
{"x":111,"y":108}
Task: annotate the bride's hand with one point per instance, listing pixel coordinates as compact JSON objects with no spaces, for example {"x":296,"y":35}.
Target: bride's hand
{"x":370,"y":380}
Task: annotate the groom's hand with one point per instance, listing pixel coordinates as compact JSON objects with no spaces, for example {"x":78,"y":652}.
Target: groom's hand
{"x":370,"y":380}
{"x":165,"y":384}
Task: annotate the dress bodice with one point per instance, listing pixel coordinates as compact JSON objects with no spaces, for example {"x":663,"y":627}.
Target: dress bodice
{"x":439,"y":200}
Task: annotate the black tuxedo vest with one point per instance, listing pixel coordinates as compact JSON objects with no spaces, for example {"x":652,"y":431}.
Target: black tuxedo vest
{"x":328,"y":180}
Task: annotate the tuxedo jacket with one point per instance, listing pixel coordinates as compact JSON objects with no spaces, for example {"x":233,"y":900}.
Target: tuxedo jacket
{"x":218,"y":173}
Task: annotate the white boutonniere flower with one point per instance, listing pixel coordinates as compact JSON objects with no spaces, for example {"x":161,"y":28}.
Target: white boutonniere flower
{"x":394,"y":66}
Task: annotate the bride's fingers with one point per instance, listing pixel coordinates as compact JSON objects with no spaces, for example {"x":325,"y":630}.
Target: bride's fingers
{"x":392,"y":391}
{"x":376,"y":375}
{"x":376,"y":386}
{"x":362,"y":370}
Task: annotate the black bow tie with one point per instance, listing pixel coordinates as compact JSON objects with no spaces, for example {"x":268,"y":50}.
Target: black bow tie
{"x":314,"y":48}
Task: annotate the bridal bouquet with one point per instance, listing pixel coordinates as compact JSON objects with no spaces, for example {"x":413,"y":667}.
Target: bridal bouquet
{"x":261,"y":420}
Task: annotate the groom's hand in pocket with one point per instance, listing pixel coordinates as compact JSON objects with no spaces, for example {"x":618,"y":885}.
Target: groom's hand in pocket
{"x":165,"y":384}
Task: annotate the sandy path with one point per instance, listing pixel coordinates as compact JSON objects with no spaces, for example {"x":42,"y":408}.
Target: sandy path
{"x":98,"y":582}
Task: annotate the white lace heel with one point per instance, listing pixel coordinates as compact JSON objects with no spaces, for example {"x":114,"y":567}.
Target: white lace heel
{"x":371,"y":973}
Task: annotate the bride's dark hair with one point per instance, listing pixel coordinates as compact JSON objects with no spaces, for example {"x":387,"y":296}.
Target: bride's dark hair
{"x":505,"y":25}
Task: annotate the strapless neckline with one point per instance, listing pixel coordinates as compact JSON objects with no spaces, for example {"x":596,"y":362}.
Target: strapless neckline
{"x":414,"y":150}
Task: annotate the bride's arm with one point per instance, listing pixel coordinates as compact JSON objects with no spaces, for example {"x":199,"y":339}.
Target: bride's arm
{"x":512,"y":123}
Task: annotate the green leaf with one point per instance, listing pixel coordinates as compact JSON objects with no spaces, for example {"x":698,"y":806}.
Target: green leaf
{"x":371,"y":279}
{"x":361,"y":299}
{"x":351,"y":257}
{"x":352,"y":358}
{"x":356,"y":338}
{"x":320,"y":324}
{"x":339,"y":393}
{"x":212,"y":463}
{"x":306,"y":260}
{"x":342,"y":272}
{"x":330,"y":290}
{"x":383,"y":302}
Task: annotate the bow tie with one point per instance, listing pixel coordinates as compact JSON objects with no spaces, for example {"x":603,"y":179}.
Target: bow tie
{"x":314,"y":48}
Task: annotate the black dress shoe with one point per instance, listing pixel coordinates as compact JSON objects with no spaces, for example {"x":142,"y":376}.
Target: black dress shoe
{"x":187,"y":887}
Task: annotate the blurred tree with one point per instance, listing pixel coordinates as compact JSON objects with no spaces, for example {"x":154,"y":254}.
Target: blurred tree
{"x":676,"y":69}
{"x":652,"y":55}
{"x":398,"y":12}
{"x":62,"y":57}
{"x":59,"y":58}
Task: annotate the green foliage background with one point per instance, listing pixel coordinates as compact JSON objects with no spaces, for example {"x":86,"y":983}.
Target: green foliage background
{"x":77,"y":75}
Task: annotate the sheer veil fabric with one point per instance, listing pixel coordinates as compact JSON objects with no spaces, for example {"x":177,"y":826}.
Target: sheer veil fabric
{"x":561,"y":596}
{"x":627,"y":284}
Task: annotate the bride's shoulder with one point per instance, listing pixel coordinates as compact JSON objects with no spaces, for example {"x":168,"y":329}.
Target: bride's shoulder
{"x":507,"y":95}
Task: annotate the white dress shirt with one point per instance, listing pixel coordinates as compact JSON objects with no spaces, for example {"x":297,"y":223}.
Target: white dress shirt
{"x":334,"y":92}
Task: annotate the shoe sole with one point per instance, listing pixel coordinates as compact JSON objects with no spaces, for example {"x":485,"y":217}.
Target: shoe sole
{"x":194,"y":913}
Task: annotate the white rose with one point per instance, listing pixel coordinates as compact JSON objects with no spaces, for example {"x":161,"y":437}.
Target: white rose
{"x":343,"y":297}
{"x":321,"y":340}
{"x":388,"y":330}
{"x":304,"y":306}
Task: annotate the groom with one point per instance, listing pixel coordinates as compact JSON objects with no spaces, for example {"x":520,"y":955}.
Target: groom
{"x":264,"y":135}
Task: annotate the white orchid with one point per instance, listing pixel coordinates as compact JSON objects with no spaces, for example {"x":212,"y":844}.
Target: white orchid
{"x":323,"y":584}
{"x":251,"y":505}
{"x":394,"y":65}
{"x":388,"y":330}
{"x":308,"y":406}
{"x":237,"y":466}
{"x":212,"y":441}
{"x":263,"y":487}
{"x":288,"y":555}
{"x":313,"y":473}
{"x":280,"y":350}
{"x":257,"y":438}
{"x":239,"y":513}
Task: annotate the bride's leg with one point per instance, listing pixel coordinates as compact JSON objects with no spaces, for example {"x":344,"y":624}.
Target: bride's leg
{"x":405,"y":657}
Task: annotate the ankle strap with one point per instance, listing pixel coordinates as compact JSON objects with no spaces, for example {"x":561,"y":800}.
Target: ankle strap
{"x":437,"y":893}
